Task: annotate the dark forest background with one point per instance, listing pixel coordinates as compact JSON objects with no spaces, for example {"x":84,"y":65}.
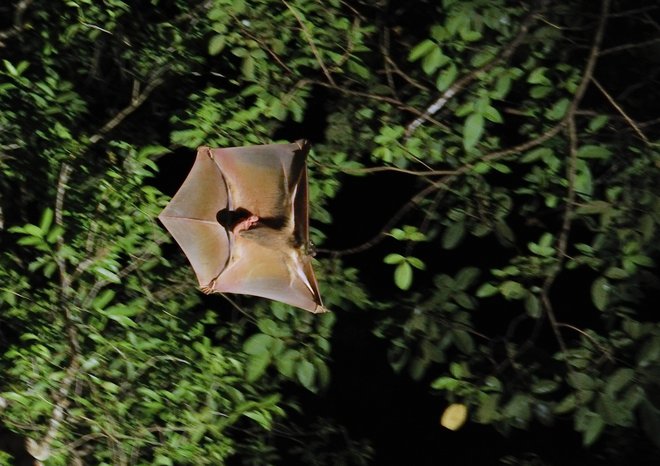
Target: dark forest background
{"x":484,"y":197}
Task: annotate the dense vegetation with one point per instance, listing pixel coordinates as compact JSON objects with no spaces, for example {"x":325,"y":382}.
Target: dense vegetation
{"x":507,"y":256}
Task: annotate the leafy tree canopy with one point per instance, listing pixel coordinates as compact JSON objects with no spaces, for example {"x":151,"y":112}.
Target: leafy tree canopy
{"x":516,"y":279}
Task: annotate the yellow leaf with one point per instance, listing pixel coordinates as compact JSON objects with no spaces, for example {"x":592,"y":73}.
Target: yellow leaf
{"x":454,"y":416}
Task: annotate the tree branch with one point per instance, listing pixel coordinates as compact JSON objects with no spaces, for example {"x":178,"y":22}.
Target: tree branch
{"x":136,"y":102}
{"x":571,"y":168}
{"x":618,"y":108}
{"x":310,"y":41}
{"x":472,"y":75}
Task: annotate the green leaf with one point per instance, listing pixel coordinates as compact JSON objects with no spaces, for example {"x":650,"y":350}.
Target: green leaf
{"x":415,"y":262}
{"x":486,"y":290}
{"x":583,"y":179}
{"x":594,"y":428}
{"x":453,"y":235}
{"x":488,"y":409}
{"x":162,"y":460}
{"x":216,"y":44}
{"x":558,"y":110}
{"x":593,"y":152}
{"x":466,"y":277}
{"x":463,"y":341}
{"x":46,"y":220}
{"x":598,"y":122}
{"x":258,"y":417}
{"x":256,"y":366}
{"x":472,"y":130}
{"x":616,"y":273}
{"x":423,"y":48}
{"x":286,"y":362}
{"x":566,"y":405}
{"x":538,"y":77}
{"x":457,"y":370}
{"x":403,"y":275}
{"x":600,"y":293}
{"x":519,"y":407}
{"x":434,"y":60}
{"x":504,"y":234}
{"x":581,"y":381}
{"x":394,"y":259}
{"x":33,"y":230}
{"x":539,"y":92}
{"x":543,"y":387}
{"x":54,"y":234}
{"x":492,"y":114}
{"x":465,"y":301}
{"x":512,"y":290}
{"x":103,"y":299}
{"x":122,"y":320}
{"x":594,"y":207}
{"x":270,"y":327}
{"x":446,"y":77}
{"x":107,"y":275}
{"x":536,"y":154}
{"x":619,"y":379}
{"x":445,"y":383}
{"x":305,"y":371}
{"x":10,"y":68}
{"x":248,"y":67}
{"x":533,"y":306}
{"x":258,"y":344}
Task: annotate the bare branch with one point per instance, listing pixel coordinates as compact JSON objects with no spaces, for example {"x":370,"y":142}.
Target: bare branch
{"x":614,"y":104}
{"x":136,"y":102}
{"x":387,"y":227}
{"x":381,"y":98}
{"x":595,"y":342}
{"x":623,"y":47}
{"x":571,"y":168}
{"x":368,"y":170}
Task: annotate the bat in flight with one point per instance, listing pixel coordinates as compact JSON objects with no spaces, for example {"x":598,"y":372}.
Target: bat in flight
{"x":241,"y":219}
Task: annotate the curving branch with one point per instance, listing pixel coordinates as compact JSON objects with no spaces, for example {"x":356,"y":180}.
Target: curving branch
{"x":562,"y":241}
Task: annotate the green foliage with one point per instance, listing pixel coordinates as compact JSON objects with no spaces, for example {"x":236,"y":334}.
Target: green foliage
{"x":523,"y":265}
{"x":109,"y":353}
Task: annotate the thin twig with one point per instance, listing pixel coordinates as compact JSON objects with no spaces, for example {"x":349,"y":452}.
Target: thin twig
{"x":136,"y":102}
{"x":595,"y":342}
{"x":381,"y":98}
{"x":623,"y":47}
{"x":239,"y":308}
{"x":387,"y":227}
{"x":368,"y":170}
{"x":614,"y":104}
